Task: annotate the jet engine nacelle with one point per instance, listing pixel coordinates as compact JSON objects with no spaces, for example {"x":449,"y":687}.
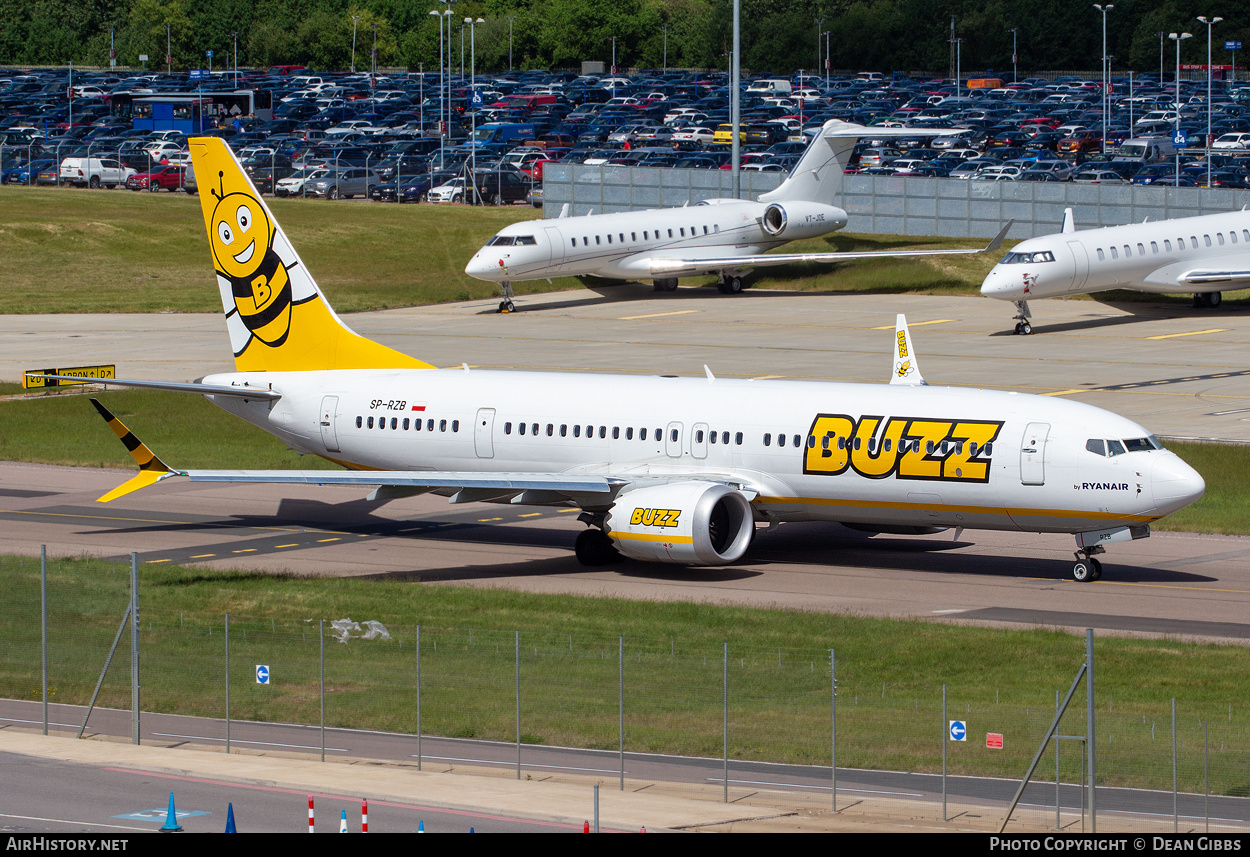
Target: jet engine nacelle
{"x":696,"y":523}
{"x":799,"y":219}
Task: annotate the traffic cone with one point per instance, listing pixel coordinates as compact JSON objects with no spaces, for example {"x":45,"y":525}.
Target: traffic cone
{"x":343,"y":823}
{"x":230,"y":818}
{"x":171,"y":818}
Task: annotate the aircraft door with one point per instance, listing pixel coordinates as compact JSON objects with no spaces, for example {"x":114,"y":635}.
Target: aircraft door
{"x":556,"y":245}
{"x":1081,"y":257}
{"x":672,"y":440}
{"x":484,"y":433}
{"x":329,"y":414}
{"x":698,"y":440}
{"x":1033,"y":454}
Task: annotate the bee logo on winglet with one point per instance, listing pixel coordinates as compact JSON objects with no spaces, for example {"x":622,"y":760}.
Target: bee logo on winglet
{"x":242,"y":240}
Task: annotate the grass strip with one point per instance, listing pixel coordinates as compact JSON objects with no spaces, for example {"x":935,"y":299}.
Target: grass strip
{"x":890,"y":673}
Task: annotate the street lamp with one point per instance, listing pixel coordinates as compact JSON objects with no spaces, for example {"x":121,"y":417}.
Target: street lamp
{"x":665,"y":29}
{"x":1015,"y":71}
{"x":1210,"y":23}
{"x":511,"y":18}
{"x":1105,"y":101}
{"x":473,"y":91}
{"x":613,"y":38}
{"x":356,"y":18}
{"x":827,"y":59}
{"x":820,"y":25}
{"x":373,"y":76}
{"x":959,"y":50}
{"x":235,"y":36}
{"x":1178,"y":38}
{"x":1162,"y":36}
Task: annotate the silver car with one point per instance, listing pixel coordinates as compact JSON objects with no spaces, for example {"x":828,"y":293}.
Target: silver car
{"x":344,"y":183}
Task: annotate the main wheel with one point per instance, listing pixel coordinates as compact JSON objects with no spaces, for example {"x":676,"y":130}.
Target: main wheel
{"x":593,"y":547}
{"x":1097,"y":569}
{"x":1213,"y":299}
{"x":1083,"y":571}
{"x":733,"y":286}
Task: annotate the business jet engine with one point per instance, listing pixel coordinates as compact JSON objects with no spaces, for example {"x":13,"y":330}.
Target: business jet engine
{"x":695,"y":523}
{"x":796,"y":219}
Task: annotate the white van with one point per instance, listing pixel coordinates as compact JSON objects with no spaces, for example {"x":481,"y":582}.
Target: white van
{"x":775,"y":86}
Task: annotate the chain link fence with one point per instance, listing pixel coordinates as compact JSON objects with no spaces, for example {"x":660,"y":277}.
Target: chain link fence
{"x":723,"y":704}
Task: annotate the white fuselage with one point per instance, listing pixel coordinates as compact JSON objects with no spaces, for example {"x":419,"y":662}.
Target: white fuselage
{"x":883,"y":455}
{"x":1181,"y":255}
{"x":635,"y":244}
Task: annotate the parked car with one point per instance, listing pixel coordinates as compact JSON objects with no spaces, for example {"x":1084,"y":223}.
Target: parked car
{"x":94,"y":172}
{"x":451,"y":191}
{"x":501,"y":187}
{"x":343,"y":183}
{"x":168,"y":178}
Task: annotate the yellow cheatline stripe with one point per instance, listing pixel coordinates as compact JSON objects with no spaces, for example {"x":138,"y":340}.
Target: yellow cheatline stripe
{"x":644,"y":537}
{"x":917,"y":323}
{"x":656,"y":315}
{"x":1190,"y":333}
{"x":1064,"y":392}
{"x":971,"y":510}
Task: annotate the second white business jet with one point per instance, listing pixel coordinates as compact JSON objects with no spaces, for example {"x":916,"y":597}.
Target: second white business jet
{"x":725,"y":237}
{"x":1206,"y":255}
{"x":664,"y":469}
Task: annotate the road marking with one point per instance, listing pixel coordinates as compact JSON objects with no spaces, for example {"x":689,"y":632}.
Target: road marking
{"x":319,"y":541}
{"x":86,"y":825}
{"x":1064,"y":392}
{"x":488,"y":520}
{"x":245,"y":550}
{"x":656,"y":315}
{"x":530,"y":515}
{"x":155,"y":561}
{"x":202,"y":556}
{"x":918,"y":323}
{"x":1191,"y":333}
{"x":281,"y":546}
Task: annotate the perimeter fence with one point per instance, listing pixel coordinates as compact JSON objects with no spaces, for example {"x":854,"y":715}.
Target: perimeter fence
{"x":736,"y":702}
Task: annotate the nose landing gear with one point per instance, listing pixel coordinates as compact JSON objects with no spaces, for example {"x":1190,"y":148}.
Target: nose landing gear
{"x":1022,"y":317}
{"x":1087,"y":569}
{"x":506,"y":305}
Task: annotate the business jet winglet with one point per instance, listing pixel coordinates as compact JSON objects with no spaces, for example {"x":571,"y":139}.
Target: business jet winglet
{"x":724,"y":237}
{"x":663,"y":469}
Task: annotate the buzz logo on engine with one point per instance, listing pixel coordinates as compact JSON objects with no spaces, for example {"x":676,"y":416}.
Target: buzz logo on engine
{"x":655,"y":517}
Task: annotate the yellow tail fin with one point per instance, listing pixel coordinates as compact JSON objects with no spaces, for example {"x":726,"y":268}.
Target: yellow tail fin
{"x":277,"y":317}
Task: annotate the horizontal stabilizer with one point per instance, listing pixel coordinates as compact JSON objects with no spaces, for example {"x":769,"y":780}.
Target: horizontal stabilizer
{"x":243,"y":392}
{"x":151,"y":468}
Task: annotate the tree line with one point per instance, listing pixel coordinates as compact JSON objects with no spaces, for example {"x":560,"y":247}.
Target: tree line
{"x":777,"y":37}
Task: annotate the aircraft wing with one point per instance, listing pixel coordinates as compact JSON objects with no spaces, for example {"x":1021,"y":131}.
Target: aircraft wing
{"x":1207,"y":277}
{"x":669,"y":267}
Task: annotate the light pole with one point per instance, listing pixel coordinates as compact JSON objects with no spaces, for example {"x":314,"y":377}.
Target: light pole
{"x":169,"y":53}
{"x":820,"y":26}
{"x":1162,"y":36}
{"x":511,"y":18}
{"x":373,"y":75}
{"x":1015,"y":56}
{"x":473,"y":91}
{"x":355,"y":19}
{"x":959,"y":59}
{"x":613,"y":38}
{"x":1210,"y":23}
{"x":235,"y":36}
{"x":827,"y":59}
{"x":1104,"y":10}
{"x":1178,"y":38}
{"x":665,"y":29}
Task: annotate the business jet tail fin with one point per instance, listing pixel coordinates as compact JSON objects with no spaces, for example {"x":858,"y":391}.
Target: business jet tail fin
{"x":1069,"y":222}
{"x":906,"y":369}
{"x":277,"y":316}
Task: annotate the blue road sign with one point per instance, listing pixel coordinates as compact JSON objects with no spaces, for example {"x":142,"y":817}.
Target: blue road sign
{"x":959,"y":730}
{"x":1232,"y":46}
{"x":476,"y":101}
{"x":197,"y":74}
{"x":1180,"y":140}
{"x":262,"y":674}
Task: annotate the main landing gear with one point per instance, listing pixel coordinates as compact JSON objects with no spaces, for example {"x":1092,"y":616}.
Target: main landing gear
{"x":729,"y":285}
{"x":1207,"y":300}
{"x":665,"y":285}
{"x":1086,"y":569}
{"x":593,"y":547}
{"x":1022,"y":316}
{"x":506,"y":305}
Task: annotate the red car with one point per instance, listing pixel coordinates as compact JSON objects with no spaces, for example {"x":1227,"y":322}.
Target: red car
{"x":164,"y":177}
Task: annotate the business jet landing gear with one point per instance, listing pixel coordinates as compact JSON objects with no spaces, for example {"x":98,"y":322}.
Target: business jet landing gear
{"x":1022,"y":316}
{"x":667,"y":285}
{"x":593,"y":547}
{"x":1086,"y":569}
{"x":506,"y":305}
{"x":729,"y":285}
{"x":1207,"y":300}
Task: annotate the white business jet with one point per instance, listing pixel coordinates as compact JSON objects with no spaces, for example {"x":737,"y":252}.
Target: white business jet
{"x":664,"y":469}
{"x":725,"y":237}
{"x":1206,"y":255}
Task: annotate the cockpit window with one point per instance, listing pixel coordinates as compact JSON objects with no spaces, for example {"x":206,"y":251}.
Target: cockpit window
{"x":1139,"y":444}
{"x":1026,"y":258}
{"x":1096,"y":446}
{"x":1114,"y":447}
{"x":503,"y":241}
{"x":525,"y":239}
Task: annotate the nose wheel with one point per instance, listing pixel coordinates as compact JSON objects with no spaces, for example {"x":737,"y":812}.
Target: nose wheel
{"x":506,"y":305}
{"x":1022,"y":317}
{"x":1086,"y":569}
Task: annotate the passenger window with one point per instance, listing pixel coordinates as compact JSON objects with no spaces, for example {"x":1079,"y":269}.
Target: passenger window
{"x":1101,"y":258}
{"x":629,"y":432}
{"x":811,"y":441}
{"x":1128,"y":252}
{"x":534,"y":429}
{"x":609,"y":238}
{"x":738,"y":438}
{"x":429,"y":425}
{"x":394,"y":423}
{"x":1167,"y":246}
{"x":1207,"y":238}
{"x":455,"y":425}
{"x":550,"y":429}
{"x":712,"y":437}
{"x":1154,"y":247}
{"x":724,"y":437}
{"x":1141,"y":251}
{"x":1114,"y":255}
{"x":370,"y":422}
{"x":672,"y":435}
{"x":359,"y":422}
{"x":577,"y":431}
{"x":405,"y":424}
{"x":768,"y":438}
{"x":603,"y":432}
{"x":564,"y":431}
{"x":642,"y":434}
{"x":442,"y":425}
{"x":1219,"y":238}
{"x":797,"y":442}
{"x":507,"y":428}
{"x":616,"y":432}
{"x":521,"y":429}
